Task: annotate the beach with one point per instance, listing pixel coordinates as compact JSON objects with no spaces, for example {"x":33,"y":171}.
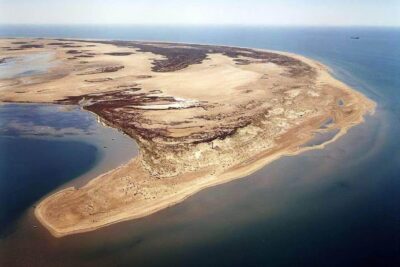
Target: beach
{"x":244,"y":108}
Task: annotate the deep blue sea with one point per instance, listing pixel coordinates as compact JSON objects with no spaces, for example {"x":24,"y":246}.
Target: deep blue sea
{"x":339,"y":206}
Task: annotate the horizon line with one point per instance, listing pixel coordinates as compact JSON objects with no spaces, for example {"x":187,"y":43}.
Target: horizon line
{"x":200,"y":24}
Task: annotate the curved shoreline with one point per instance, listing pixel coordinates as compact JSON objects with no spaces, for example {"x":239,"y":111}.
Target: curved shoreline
{"x":244,"y":171}
{"x":202,"y":179}
{"x":257,"y":163}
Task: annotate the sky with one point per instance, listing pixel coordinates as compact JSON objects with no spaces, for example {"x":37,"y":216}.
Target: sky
{"x":220,"y":12}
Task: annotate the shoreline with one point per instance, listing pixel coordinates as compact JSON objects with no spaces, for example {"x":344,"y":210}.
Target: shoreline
{"x":257,"y":163}
{"x":244,"y":171}
{"x":201,"y":180}
{"x":255,"y":166}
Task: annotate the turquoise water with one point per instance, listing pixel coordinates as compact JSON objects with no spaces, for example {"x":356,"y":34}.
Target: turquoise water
{"x":339,"y":206}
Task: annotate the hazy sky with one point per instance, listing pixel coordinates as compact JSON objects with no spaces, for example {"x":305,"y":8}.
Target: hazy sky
{"x":253,"y":12}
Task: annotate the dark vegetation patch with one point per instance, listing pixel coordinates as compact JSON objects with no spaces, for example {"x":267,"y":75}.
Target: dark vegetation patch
{"x":73,"y":52}
{"x":119,"y":53}
{"x":59,"y":43}
{"x":144,"y":76}
{"x":98,"y":80}
{"x":180,"y":56}
{"x":121,"y":108}
{"x":27,"y":46}
{"x":117,"y":107}
{"x":19,"y":42}
{"x":105,"y":69}
{"x":85,"y":54}
{"x":70,"y":46}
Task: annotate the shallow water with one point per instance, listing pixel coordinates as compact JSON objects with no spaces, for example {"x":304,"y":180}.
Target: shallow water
{"x":27,"y":65}
{"x":320,"y":138}
{"x":339,"y":206}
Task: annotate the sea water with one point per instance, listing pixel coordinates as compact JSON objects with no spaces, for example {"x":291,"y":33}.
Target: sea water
{"x":43,"y":147}
{"x":339,"y":206}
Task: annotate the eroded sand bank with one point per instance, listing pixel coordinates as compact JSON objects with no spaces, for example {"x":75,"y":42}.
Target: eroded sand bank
{"x":201,"y":115}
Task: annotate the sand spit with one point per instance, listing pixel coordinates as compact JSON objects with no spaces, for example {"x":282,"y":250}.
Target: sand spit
{"x":202,"y":115}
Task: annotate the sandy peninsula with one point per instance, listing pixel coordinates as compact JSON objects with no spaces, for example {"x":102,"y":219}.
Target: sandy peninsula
{"x":202,"y":115}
